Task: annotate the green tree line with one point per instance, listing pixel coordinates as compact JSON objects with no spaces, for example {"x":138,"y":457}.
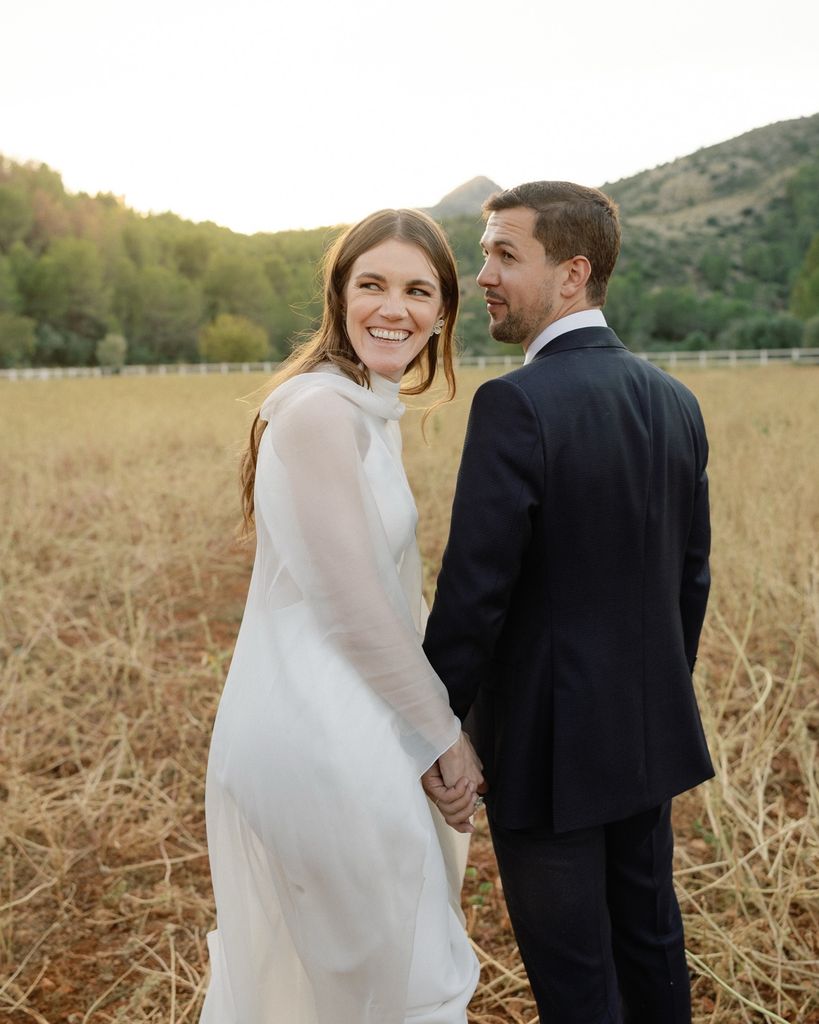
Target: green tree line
{"x":75,"y":269}
{"x":85,"y":279}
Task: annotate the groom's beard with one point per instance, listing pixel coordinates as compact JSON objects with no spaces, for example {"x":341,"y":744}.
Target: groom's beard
{"x":523,"y":325}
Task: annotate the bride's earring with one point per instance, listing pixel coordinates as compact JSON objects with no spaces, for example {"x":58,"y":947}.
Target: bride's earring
{"x":438,"y":326}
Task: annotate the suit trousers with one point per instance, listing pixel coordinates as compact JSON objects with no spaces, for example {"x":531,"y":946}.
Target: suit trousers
{"x":597,"y":921}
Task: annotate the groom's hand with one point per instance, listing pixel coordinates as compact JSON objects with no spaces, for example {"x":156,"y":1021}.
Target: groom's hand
{"x":461,"y":762}
{"x":456,"y":803}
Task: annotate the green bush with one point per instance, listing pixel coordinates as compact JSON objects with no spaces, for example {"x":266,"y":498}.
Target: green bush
{"x":61,"y":347}
{"x":111,"y":351}
{"x":810,"y":339}
{"x":695,"y":341}
{"x":17,"y":339}
{"x":765,"y":331}
{"x":232,"y":339}
{"x":805,"y":293}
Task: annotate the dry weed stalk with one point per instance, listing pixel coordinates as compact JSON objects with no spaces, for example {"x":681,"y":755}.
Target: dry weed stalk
{"x":121,"y":595}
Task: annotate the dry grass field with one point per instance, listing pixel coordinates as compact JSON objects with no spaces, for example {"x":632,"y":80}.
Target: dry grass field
{"x":122,"y":590}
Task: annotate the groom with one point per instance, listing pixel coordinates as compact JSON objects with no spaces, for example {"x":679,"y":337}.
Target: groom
{"x":567,"y":617}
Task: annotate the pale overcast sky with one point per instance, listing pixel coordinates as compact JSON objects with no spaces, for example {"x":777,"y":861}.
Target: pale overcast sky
{"x":269,"y":115}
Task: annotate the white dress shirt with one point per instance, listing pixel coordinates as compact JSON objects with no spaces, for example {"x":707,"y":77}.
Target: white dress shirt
{"x":572,"y":322}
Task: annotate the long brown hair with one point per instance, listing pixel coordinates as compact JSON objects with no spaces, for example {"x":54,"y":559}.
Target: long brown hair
{"x":330,"y":343}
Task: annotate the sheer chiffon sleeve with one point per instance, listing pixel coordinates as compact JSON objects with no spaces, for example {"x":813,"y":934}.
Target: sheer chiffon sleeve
{"x":330,"y":538}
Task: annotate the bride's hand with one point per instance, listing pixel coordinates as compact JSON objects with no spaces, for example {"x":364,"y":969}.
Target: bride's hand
{"x":456,"y":803}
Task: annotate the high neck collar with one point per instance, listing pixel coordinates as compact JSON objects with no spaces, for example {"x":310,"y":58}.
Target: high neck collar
{"x":380,"y":399}
{"x":384,"y":387}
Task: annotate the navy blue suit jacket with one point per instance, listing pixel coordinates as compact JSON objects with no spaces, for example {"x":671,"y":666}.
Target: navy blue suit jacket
{"x":574,"y":583}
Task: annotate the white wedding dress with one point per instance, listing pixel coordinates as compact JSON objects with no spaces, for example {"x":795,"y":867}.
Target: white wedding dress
{"x":336,"y":882}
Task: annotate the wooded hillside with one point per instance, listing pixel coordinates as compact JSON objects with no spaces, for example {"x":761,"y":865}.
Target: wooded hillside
{"x":721,"y":250}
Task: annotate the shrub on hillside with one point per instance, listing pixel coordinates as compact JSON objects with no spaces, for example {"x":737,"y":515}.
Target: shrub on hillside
{"x":695,"y":341}
{"x":111,"y":351}
{"x":55,"y":347}
{"x":17,"y":339}
{"x":810,"y":338}
{"x":777,"y":330}
{"x":232,"y":339}
{"x":805,"y":294}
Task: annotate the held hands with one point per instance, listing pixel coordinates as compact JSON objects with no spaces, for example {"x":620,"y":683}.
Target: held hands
{"x":454,"y":782}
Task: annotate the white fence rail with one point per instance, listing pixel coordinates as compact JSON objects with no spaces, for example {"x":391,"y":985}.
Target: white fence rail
{"x":672,"y":360}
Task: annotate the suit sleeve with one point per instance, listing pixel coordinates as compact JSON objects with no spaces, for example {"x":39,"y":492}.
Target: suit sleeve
{"x":696,"y":576}
{"x":499,"y":489}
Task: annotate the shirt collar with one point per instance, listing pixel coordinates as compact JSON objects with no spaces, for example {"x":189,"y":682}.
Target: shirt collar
{"x":572,"y":322}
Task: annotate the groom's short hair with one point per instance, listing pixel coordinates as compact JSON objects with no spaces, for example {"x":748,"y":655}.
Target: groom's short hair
{"x":572,"y":220}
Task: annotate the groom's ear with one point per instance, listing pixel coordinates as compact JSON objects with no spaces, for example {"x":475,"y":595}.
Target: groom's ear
{"x":577,"y":274}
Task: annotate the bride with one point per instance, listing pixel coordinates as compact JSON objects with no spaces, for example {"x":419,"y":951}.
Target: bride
{"x":336,"y":882}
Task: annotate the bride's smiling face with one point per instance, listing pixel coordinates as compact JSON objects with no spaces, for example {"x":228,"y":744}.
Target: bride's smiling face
{"x":392,"y":300}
